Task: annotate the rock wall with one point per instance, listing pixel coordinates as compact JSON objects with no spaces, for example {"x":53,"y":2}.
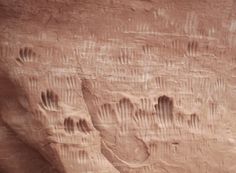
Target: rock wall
{"x":112,"y":86}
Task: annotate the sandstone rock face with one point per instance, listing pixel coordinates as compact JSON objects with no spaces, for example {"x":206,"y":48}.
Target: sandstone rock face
{"x":112,"y":86}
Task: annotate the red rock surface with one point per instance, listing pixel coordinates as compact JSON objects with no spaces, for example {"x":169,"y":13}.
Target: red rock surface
{"x":109,"y":86}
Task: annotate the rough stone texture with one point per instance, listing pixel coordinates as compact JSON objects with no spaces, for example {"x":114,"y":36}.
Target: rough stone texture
{"x":109,"y":86}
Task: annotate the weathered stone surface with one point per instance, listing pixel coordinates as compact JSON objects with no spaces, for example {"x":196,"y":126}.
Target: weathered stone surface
{"x":109,"y":86}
